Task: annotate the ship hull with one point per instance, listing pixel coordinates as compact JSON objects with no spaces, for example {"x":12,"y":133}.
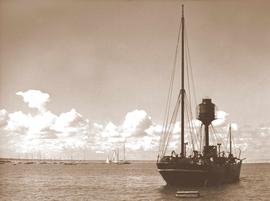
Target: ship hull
{"x":183,"y":177}
{"x":194,"y":175}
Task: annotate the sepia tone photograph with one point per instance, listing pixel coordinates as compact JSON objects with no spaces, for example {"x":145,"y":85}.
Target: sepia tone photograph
{"x":141,"y":100}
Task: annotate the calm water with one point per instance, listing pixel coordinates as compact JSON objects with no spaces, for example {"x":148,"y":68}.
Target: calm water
{"x":137,"y":181}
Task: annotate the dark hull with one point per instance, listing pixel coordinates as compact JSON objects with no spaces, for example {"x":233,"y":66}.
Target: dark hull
{"x":195,"y":175}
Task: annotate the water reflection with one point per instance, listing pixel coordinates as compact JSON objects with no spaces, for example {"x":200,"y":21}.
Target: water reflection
{"x":105,"y":182}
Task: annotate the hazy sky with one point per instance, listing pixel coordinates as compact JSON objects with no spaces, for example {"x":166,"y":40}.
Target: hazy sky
{"x":108,"y":58}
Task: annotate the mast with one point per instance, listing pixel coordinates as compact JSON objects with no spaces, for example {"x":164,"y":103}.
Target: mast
{"x":117,"y":156}
{"x":124,"y":151}
{"x":230,"y":132}
{"x":182,"y":92}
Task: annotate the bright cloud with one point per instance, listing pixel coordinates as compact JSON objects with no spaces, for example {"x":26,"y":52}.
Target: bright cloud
{"x":35,"y":98}
{"x":135,"y":123}
{"x":50,"y":134}
{"x":137,"y":132}
{"x":220,"y":118}
{"x":44,"y":131}
{"x":3,"y":117}
{"x":234,"y":126}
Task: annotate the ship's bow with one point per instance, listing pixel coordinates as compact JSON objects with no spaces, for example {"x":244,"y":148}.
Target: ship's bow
{"x":182,"y":175}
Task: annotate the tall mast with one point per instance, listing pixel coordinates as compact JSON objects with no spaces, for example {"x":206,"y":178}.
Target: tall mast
{"x":230,"y":132}
{"x":182,"y":92}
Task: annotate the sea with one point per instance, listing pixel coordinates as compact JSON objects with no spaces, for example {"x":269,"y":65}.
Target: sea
{"x":105,"y":182}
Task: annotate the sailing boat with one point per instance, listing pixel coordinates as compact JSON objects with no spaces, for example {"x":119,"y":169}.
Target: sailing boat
{"x":124,"y":161}
{"x":202,"y":167}
{"x":116,"y":158}
{"x":108,"y":161}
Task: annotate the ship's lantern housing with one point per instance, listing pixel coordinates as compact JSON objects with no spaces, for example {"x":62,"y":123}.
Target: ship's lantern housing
{"x":206,"y":111}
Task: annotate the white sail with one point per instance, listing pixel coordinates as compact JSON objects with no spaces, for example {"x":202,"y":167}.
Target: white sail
{"x":116,"y":157}
{"x":107,"y":160}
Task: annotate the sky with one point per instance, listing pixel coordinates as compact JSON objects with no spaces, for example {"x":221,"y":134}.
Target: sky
{"x":82,"y":77}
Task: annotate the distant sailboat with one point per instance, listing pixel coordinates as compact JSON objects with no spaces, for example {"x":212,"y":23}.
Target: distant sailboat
{"x":116,"y":159}
{"x":108,"y":161}
{"x":124,"y":161}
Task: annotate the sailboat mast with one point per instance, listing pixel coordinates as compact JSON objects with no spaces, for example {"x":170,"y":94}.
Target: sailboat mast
{"x":117,"y":154}
{"x":124,"y":152}
{"x":182,"y":85}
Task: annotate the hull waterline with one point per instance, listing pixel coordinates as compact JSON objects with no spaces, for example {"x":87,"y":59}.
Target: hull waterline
{"x":196,"y":177}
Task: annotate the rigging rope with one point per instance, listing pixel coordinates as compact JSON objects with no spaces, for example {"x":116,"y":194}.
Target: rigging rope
{"x":201,"y":138}
{"x":190,"y":66}
{"x":169,"y":131}
{"x":169,"y":124}
{"x":169,"y":97}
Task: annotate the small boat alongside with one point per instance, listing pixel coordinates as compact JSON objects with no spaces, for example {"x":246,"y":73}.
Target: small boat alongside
{"x":187,"y":194}
{"x":70,"y":163}
{"x":29,"y":162}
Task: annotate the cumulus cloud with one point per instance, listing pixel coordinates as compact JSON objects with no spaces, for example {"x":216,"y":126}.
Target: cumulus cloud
{"x":3,"y":117}
{"x":35,"y":98}
{"x":44,"y":131}
{"x":137,"y":131}
{"x":234,"y":126}
{"x":68,"y":133}
{"x":135,"y":123}
{"x":220,"y":118}
{"x":254,"y":142}
{"x":47,"y":133}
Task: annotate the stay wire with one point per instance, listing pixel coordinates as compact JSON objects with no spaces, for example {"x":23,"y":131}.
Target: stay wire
{"x":190,"y":66}
{"x":169,"y":96}
{"x":172,"y":123}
